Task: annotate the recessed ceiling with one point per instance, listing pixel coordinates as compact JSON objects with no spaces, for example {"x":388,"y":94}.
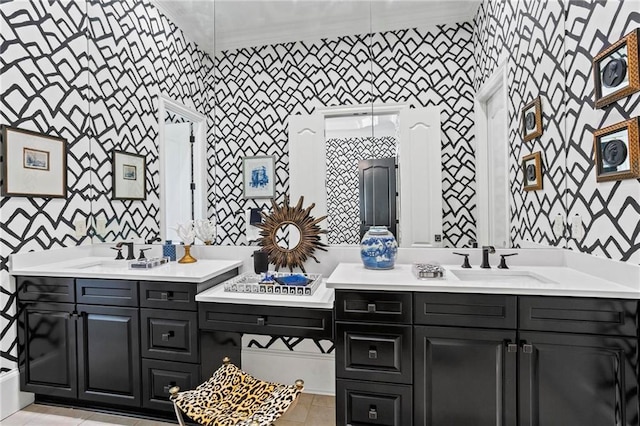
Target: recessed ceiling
{"x":217,"y":25}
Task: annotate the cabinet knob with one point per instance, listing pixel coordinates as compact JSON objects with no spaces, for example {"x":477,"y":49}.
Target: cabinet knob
{"x":373,"y":413}
{"x":166,"y":336}
{"x":527,"y":348}
{"x":373,"y":354}
{"x":166,"y":295}
{"x":261,"y":320}
{"x":371,"y":307}
{"x":512,"y":347}
{"x":166,"y":388}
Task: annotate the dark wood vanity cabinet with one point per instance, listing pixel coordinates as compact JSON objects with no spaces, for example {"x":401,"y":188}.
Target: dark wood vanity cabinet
{"x":488,"y":360}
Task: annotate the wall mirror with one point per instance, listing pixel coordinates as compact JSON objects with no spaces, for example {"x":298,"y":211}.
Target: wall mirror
{"x":274,"y":61}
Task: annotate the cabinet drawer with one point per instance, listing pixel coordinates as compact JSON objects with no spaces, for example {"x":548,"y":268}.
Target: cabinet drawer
{"x":466,"y":310}
{"x":160,"y":376}
{"x":367,"y":403}
{"x":273,"y":320}
{"x":46,"y":289}
{"x":379,"y":306}
{"x":169,"y":335}
{"x":107,"y":292}
{"x":374,"y":352}
{"x":579,"y":315}
{"x":164,"y":295}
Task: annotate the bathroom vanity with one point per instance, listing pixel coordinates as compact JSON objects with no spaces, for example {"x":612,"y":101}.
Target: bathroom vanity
{"x":485,"y":351}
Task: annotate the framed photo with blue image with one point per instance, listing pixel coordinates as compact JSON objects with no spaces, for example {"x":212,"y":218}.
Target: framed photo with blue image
{"x":129,"y":176}
{"x":258,"y":177}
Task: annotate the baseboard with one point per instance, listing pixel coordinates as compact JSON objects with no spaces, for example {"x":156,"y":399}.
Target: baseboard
{"x":282,"y":366}
{"x":12,"y":399}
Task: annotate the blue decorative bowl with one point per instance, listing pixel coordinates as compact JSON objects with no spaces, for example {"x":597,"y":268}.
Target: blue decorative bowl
{"x":378,"y":248}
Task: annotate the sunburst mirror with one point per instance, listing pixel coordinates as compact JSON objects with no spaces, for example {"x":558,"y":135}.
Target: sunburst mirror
{"x":290,"y":235}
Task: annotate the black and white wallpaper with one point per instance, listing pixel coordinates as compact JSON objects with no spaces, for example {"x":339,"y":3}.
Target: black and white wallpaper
{"x":90,"y":72}
{"x":343,"y":205}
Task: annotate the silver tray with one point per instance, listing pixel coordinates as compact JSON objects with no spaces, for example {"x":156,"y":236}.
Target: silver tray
{"x":251,"y":283}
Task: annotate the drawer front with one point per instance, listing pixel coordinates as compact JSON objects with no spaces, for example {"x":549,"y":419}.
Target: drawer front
{"x":379,"y":306}
{"x":466,"y":310}
{"x":367,"y":403}
{"x":579,"y":315}
{"x":107,"y":292}
{"x":46,"y":289}
{"x":164,"y":295}
{"x":169,"y":335}
{"x":160,"y":376}
{"x":270,"y":320}
{"x":374,"y":352}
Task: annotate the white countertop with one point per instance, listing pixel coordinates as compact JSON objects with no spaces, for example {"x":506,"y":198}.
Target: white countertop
{"x":107,"y":268}
{"x":557,"y":281}
{"x":321,"y":299}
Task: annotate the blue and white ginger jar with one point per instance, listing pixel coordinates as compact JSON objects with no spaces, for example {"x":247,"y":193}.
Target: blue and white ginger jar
{"x":378,"y":248}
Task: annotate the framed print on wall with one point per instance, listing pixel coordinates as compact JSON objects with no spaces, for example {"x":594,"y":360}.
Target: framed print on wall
{"x":35,"y":165}
{"x":617,"y":151}
{"x":615,"y":70}
{"x":532,"y":171}
{"x":258,"y":177}
{"x":532,"y":119}
{"x":129,"y":176}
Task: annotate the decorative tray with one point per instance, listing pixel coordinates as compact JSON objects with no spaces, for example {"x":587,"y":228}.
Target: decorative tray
{"x":292,"y":284}
{"x":148,"y":263}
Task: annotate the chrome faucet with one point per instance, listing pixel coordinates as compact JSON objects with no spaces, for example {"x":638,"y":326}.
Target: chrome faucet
{"x":486,"y":251}
{"x":129,"y":245}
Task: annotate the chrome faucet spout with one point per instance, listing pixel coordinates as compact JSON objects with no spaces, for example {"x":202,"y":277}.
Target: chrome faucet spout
{"x":486,"y":251}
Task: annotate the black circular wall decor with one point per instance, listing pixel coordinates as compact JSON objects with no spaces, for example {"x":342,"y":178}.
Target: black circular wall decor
{"x":614,"y":72}
{"x":614,"y":152}
{"x":531,"y":172}
{"x":530,"y":120}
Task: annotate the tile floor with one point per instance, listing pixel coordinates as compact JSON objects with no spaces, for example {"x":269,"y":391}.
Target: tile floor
{"x":311,"y":410}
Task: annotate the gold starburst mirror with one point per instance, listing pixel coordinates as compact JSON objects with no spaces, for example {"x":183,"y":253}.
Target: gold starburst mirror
{"x":290,"y":235}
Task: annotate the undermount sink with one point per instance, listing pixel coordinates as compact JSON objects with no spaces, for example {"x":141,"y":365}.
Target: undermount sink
{"x":501,"y":275}
{"x":103,"y":264}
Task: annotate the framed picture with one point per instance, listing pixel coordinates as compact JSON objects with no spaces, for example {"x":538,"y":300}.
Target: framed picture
{"x":129,"y":176}
{"x":532,"y":171}
{"x":35,"y":165}
{"x":617,"y":151}
{"x":615,"y":70}
{"x":258,"y":177}
{"x":532,"y":120}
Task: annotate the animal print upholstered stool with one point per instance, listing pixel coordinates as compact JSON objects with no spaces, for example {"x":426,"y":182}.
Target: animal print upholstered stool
{"x":233,"y":397}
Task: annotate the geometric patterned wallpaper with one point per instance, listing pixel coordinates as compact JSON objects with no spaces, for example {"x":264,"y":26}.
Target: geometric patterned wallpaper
{"x":89,"y":72}
{"x":258,"y":88}
{"x":343,"y":206}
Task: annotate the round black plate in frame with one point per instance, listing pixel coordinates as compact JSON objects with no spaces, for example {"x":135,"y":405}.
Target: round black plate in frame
{"x":531,"y":173}
{"x":614,"y":152}
{"x":530,"y":121}
{"x":614,"y":72}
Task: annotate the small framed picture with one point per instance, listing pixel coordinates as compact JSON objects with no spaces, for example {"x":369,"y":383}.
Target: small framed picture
{"x":532,"y":171}
{"x":35,"y":165}
{"x":532,"y":120}
{"x":258,"y":175}
{"x":617,"y":151}
{"x":129,"y":176}
{"x":615,"y":70}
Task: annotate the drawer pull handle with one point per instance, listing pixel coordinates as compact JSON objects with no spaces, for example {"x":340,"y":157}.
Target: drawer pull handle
{"x":260,"y":320}
{"x":166,"y":295}
{"x":373,"y":413}
{"x":167,"y":387}
{"x":167,"y":336}
{"x":371,"y":307}
{"x":373,"y":354}
{"x":527,"y":349}
{"x":512,"y":347}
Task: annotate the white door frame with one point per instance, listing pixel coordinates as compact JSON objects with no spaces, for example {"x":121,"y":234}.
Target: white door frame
{"x":165,"y":103}
{"x":494,"y":84}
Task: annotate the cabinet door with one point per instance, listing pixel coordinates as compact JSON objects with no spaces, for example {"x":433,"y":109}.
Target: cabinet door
{"x":578,"y":380}
{"x":109,"y":355}
{"x":464,"y":377}
{"x":47,"y":349}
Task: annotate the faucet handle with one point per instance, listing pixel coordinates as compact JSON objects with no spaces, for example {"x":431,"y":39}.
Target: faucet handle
{"x":465,"y":262}
{"x":142,"y":250}
{"x":503,"y":262}
{"x":119,"y":255}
